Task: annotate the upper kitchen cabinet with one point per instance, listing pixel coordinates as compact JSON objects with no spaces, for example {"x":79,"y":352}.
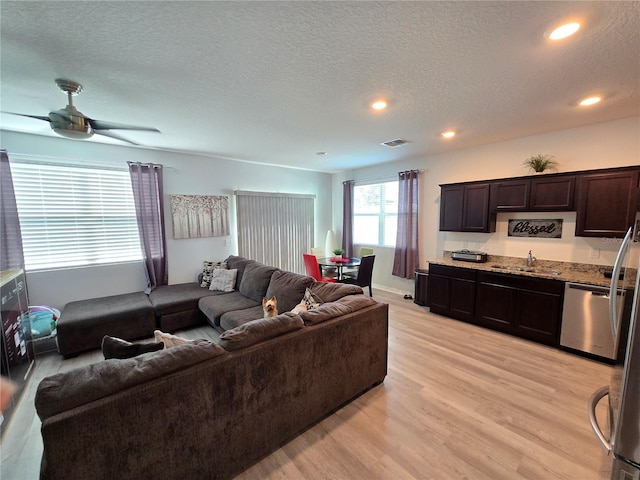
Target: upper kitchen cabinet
{"x":607,"y":202}
{"x":552,"y":193}
{"x":465,"y":208}
{"x":548,"y":193}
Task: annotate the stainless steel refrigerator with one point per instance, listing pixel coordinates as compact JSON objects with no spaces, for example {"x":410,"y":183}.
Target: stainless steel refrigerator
{"x":623,"y":393}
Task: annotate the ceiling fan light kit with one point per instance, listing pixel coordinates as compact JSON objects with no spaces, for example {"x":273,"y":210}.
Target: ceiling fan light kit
{"x":71,"y":123}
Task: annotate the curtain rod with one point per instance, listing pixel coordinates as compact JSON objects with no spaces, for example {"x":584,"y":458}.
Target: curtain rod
{"x":70,"y":160}
{"x":383,"y":179}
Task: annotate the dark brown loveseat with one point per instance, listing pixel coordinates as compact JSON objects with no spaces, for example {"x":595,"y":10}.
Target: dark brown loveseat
{"x":200,"y":411}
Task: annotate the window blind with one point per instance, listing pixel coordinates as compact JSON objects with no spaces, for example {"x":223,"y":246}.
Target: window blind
{"x":274,"y":228}
{"x":75,"y":215}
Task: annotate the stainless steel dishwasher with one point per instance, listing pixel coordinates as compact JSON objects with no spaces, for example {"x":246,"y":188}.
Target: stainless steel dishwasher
{"x":585,"y":319}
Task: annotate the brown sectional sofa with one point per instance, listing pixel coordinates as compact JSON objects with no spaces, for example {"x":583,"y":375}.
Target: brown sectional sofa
{"x":203,"y":411}
{"x":173,"y":307}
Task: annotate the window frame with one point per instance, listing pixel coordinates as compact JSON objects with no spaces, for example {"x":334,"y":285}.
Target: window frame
{"x":93,"y":208}
{"x":381,"y":214}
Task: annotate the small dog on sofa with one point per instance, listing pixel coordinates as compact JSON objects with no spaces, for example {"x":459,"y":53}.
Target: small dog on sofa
{"x":270,"y":307}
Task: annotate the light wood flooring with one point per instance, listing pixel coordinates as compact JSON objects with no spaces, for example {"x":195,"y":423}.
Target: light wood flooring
{"x":459,"y":402}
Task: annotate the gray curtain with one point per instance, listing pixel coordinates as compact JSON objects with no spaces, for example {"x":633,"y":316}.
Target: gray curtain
{"x":347,"y":218}
{"x":405,"y":260}
{"x":146,"y":180}
{"x":11,"y":254}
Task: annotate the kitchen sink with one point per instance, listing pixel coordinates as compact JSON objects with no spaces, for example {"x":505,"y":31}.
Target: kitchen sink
{"x":510,"y":267}
{"x":538,"y":271}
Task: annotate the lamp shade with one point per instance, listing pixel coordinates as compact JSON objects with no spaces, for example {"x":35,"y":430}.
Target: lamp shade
{"x":329,"y":243}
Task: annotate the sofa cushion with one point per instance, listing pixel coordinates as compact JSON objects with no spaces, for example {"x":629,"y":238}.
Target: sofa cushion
{"x":236,"y":318}
{"x":215,"y":306}
{"x":255,"y":280}
{"x":258,"y":330}
{"x":239,"y":263}
{"x":288,"y":288}
{"x":113,"y":347}
{"x":330,"y":292}
{"x":84,"y":323}
{"x":342,"y":306}
{"x":180,"y":297}
{"x":207,"y":271}
{"x":65,"y":391}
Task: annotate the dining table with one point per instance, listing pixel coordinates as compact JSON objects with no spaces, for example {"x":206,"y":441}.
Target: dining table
{"x":338,"y":263}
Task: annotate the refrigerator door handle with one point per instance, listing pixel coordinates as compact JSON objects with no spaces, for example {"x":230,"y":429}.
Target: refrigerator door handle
{"x":615,"y":274}
{"x":593,"y":403}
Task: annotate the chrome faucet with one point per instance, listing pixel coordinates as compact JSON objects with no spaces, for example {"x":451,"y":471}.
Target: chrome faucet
{"x":531,"y":260}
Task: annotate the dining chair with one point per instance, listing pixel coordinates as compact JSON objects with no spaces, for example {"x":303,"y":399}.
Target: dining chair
{"x":312,"y":267}
{"x":352,"y":272}
{"x":329,"y":272}
{"x":365,"y":272}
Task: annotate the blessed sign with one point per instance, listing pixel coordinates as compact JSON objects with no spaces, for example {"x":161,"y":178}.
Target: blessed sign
{"x":535,"y":228}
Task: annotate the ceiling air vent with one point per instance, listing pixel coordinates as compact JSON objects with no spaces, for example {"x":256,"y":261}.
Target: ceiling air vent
{"x":395,"y":143}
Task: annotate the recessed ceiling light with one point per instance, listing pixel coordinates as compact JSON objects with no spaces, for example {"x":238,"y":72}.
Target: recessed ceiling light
{"x":379,"y":105}
{"x":589,"y":101}
{"x":448,"y":134}
{"x":564,"y":31}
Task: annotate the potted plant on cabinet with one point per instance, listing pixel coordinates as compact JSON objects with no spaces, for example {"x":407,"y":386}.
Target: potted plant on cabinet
{"x":540,"y":162}
{"x":338,"y":252}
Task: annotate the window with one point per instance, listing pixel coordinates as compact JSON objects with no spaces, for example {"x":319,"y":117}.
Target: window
{"x":375,"y":214}
{"x":72,"y":216}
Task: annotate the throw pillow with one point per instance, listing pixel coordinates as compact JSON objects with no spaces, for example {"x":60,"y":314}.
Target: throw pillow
{"x":168,"y":339}
{"x":208,"y":269}
{"x":113,"y":347}
{"x":310,"y":300}
{"x":223,"y":280}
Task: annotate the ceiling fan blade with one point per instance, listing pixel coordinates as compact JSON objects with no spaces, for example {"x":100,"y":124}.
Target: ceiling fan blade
{"x":37,"y":117}
{"x":100,"y":125}
{"x":113,"y":135}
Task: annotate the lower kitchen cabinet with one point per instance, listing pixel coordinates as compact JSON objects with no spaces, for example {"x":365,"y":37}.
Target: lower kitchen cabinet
{"x":451,"y":292}
{"x":524,"y":306}
{"x":519,"y":305}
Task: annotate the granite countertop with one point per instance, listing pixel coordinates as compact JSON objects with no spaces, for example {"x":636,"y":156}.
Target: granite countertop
{"x":563,"y":271}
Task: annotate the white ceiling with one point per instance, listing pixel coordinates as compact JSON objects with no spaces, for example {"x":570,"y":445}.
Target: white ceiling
{"x":276,"y":82}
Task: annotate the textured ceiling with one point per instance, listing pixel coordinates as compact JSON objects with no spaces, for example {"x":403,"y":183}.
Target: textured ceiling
{"x":276,"y":82}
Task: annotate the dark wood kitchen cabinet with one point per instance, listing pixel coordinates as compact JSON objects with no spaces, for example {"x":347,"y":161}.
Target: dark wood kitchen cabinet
{"x":544,"y":193}
{"x":528,"y":307}
{"x":465,"y":208}
{"x":451,"y":292}
{"x":510,"y":195}
{"x":552,"y":193}
{"x":607,"y":203}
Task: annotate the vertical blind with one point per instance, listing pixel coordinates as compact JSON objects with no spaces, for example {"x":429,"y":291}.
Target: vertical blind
{"x":275,"y":228}
{"x":75,"y":215}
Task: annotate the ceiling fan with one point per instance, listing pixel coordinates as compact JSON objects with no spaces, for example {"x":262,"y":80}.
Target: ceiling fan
{"x":70,"y":122}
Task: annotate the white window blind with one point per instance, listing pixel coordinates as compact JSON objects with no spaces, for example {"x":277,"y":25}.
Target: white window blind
{"x":275,"y":228}
{"x":375,"y":213}
{"x":74,"y":215}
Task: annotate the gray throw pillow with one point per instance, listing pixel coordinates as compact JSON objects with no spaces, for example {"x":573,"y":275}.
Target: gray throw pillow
{"x":113,"y":347}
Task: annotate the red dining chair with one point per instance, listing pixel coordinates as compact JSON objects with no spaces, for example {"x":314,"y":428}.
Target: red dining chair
{"x":313,"y":269}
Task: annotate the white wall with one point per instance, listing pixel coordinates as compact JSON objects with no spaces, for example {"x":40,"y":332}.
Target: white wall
{"x":183,"y":174}
{"x":604,"y":145}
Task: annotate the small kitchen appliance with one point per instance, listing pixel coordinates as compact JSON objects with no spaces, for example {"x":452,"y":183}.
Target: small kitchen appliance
{"x":469,"y":256}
